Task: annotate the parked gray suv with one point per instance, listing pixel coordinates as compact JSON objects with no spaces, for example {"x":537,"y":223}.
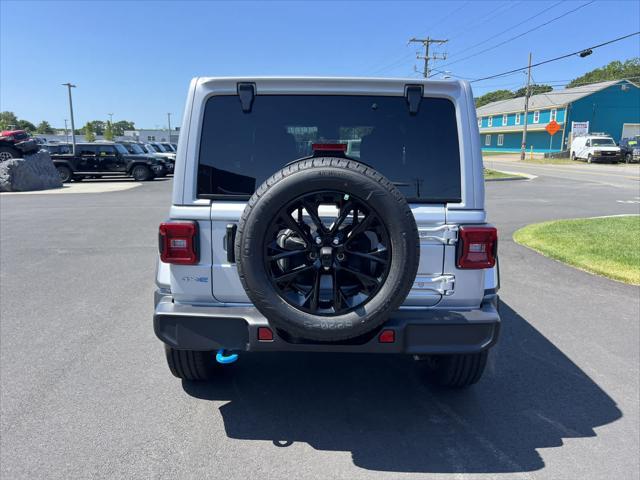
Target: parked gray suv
{"x":283,"y":237}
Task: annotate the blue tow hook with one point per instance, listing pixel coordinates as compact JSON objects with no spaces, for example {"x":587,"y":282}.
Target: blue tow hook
{"x":224,"y":358}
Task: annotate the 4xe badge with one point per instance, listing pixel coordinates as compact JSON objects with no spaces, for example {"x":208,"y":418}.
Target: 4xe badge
{"x":195,"y":279}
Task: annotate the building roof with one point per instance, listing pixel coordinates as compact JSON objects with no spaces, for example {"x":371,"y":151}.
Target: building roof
{"x":541,"y":101}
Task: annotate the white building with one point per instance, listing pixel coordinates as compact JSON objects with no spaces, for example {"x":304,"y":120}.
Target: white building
{"x":153,"y":135}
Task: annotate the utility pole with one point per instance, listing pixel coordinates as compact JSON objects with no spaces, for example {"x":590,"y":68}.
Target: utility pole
{"x":110,"y":118}
{"x":169,"y":126}
{"x":426,"y":43}
{"x":73,"y":126}
{"x":527,"y":94}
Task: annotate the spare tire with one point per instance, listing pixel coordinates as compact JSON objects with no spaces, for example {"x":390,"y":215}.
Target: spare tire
{"x":327,"y":248}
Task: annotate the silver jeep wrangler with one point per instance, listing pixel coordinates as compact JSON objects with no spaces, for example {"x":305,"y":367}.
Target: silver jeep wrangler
{"x":328,"y":215}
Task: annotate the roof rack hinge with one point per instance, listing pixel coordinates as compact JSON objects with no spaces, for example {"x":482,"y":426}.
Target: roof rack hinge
{"x":413,"y":94}
{"x":246,"y":92}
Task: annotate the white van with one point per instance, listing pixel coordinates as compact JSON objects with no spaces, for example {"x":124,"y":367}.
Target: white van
{"x":594,"y":148}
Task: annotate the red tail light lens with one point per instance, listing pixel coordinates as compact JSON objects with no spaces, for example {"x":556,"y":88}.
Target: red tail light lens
{"x":265,"y":334}
{"x":178,"y":242}
{"x":329,"y":147}
{"x":387,"y":336}
{"x":477,"y":247}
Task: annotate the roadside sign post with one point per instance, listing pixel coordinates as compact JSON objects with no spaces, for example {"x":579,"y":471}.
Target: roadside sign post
{"x":552,"y":128}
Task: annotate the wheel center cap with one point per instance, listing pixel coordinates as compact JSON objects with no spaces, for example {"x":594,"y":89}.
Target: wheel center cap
{"x":326,"y":257}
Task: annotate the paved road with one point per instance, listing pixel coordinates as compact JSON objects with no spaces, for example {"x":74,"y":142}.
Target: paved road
{"x":619,"y":176}
{"x":85,"y":391}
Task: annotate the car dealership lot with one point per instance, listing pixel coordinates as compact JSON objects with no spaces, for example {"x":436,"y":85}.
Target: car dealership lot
{"x":85,"y":391}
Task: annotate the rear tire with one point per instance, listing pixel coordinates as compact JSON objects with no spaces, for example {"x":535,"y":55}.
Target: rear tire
{"x":140,"y":173}
{"x":190,"y":364}
{"x":65,"y":173}
{"x":9,"y":153}
{"x":456,"y":371}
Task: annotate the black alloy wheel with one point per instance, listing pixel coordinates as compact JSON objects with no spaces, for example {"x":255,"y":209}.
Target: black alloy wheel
{"x":327,"y":253}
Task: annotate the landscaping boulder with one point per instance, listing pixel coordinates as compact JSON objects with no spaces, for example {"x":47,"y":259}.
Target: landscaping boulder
{"x":33,"y":172}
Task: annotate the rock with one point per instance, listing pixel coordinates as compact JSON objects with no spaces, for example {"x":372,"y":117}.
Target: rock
{"x":33,"y":172}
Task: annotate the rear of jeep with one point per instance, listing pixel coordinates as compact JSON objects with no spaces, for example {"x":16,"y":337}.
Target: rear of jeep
{"x":328,"y":215}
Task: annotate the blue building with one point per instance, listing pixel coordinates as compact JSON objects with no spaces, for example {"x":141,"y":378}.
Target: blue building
{"x":610,"y":107}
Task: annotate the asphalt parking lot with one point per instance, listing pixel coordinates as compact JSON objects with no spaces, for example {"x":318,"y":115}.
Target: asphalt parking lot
{"x":86,"y":392}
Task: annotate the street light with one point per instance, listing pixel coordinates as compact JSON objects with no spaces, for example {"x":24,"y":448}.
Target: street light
{"x":169,"y":126}
{"x":73,"y":126}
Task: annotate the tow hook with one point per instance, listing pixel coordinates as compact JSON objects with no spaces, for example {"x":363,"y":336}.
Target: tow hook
{"x":224,"y":357}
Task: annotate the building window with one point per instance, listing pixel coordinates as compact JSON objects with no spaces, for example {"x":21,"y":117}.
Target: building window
{"x":504,"y":119}
{"x":554,"y":114}
{"x":487,"y":140}
{"x":490,"y":122}
{"x":151,"y":138}
{"x":500,"y":140}
{"x":536,"y":116}
{"x":518,"y":118}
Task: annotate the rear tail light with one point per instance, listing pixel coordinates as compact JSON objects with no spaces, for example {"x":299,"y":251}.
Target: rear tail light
{"x":329,"y":147}
{"x":178,"y":242}
{"x":387,"y":336}
{"x":477,"y":247}
{"x":265,"y":334}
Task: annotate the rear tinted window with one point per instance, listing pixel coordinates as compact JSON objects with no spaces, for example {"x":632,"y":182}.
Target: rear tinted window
{"x":418,"y":153}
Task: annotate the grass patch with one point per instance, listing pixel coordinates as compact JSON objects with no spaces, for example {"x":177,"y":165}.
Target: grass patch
{"x":605,"y":246}
{"x":493,"y":154}
{"x":493,"y":174}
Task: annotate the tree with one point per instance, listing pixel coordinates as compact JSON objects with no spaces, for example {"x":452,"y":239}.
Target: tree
{"x":6,"y":119}
{"x":44,"y":127}
{"x":108,"y":131}
{"x":535,"y":90}
{"x":121,"y":126}
{"x":89,"y":134}
{"x":615,"y":70}
{"x":26,"y":125}
{"x":97,"y":126}
{"x":493,"y":97}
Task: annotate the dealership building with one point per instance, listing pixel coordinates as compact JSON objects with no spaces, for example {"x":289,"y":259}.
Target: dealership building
{"x":611,"y":107}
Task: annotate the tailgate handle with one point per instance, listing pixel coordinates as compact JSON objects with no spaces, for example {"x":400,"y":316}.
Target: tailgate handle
{"x":246,"y":92}
{"x":230,"y":240}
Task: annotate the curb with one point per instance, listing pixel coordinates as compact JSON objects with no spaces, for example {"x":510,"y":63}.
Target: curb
{"x":517,"y":176}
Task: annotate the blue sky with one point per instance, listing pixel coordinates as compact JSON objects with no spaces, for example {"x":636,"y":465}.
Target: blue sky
{"x":135,"y":59}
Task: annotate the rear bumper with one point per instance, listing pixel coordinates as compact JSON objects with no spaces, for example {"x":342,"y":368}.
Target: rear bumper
{"x":189,"y":327}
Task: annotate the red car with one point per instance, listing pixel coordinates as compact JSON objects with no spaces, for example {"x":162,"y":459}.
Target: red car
{"x":14,"y":143}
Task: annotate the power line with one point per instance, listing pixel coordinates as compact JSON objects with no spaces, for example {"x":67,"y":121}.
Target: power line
{"x":401,"y":59}
{"x":519,"y":35}
{"x":516,"y":70}
{"x":507,"y":30}
{"x":482,"y":21}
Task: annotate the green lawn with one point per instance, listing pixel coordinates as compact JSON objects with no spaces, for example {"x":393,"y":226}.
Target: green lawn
{"x":493,"y":174}
{"x":493,"y":154}
{"x":606,"y":246}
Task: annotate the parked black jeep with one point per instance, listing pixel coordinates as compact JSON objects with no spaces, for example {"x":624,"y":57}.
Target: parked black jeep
{"x":106,"y":159}
{"x":135,"y":148}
